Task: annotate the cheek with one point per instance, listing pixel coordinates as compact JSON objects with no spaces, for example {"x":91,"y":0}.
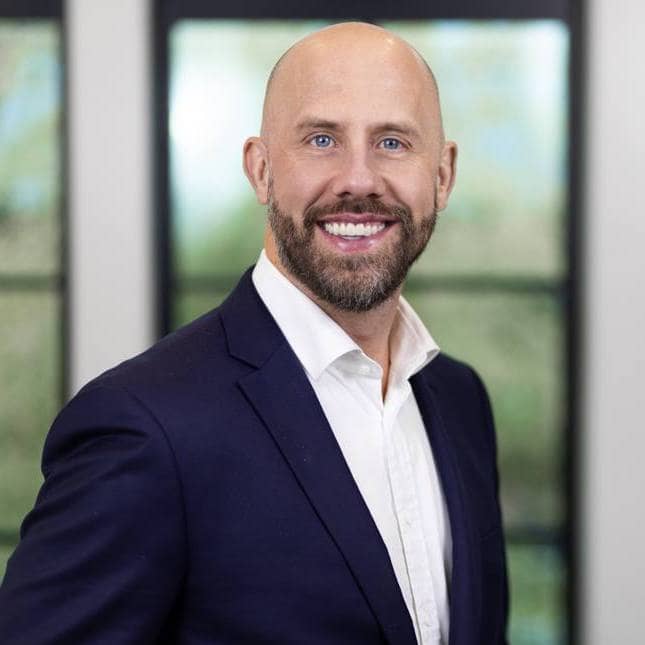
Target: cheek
{"x":412,"y":185}
{"x":301,"y":182}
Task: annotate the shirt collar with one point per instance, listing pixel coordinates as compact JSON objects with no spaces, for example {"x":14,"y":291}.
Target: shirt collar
{"x":314,"y":337}
{"x":318,"y":341}
{"x":411,"y":345}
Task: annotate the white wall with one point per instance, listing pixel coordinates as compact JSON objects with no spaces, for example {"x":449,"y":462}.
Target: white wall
{"x":613,"y":484}
{"x":110,"y":171}
{"x":109,"y":183}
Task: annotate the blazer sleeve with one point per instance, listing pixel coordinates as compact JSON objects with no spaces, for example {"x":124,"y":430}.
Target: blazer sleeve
{"x":102,"y":555}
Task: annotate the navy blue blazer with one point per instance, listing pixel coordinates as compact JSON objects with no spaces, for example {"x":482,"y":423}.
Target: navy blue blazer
{"x":196,"y":494}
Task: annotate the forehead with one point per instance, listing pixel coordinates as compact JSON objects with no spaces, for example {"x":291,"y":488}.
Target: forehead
{"x":354,"y":84}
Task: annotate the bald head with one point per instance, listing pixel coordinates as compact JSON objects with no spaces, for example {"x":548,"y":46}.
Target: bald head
{"x":341,"y":46}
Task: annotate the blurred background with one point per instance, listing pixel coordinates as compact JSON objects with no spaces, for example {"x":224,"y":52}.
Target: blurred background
{"x":124,"y":213}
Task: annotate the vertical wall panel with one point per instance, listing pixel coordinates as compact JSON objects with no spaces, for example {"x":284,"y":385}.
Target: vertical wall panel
{"x":614,"y":480}
{"x":109,"y":183}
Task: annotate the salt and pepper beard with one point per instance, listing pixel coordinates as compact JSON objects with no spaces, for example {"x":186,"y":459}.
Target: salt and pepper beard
{"x":354,"y":282}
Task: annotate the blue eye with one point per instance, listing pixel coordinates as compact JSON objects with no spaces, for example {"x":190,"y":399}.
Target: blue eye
{"x":391,"y":143}
{"x":322,"y":141}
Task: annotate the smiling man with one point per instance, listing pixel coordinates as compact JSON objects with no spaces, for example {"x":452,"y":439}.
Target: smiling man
{"x":300,"y":465}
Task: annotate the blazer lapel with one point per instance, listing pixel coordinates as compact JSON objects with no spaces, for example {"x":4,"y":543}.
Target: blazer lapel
{"x":282,"y":396}
{"x":465,"y":603}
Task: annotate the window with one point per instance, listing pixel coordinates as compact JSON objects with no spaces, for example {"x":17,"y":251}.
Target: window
{"x":32,"y":274}
{"x":496,"y":286}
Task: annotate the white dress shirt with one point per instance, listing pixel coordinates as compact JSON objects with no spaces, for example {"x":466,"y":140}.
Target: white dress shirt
{"x":384,"y":442}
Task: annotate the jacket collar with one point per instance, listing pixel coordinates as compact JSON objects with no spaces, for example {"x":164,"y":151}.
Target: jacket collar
{"x":464,"y":593}
{"x":251,"y":333}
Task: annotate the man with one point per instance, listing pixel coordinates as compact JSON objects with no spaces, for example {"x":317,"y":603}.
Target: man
{"x":299,"y":465}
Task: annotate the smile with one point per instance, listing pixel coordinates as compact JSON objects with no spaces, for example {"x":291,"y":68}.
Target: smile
{"x":351,"y":230}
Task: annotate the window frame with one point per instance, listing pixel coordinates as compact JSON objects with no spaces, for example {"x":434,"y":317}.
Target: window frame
{"x":567,"y":290}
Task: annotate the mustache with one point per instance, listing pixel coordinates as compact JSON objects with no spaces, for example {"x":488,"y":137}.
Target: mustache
{"x":357,"y":206}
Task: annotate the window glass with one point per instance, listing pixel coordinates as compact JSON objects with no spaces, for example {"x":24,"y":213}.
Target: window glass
{"x":191,"y":304}
{"x":29,"y":147}
{"x":217,"y":76}
{"x":29,"y":387}
{"x":31,"y":272}
{"x":515,"y":342}
{"x":504,"y":99}
{"x":537,"y":602}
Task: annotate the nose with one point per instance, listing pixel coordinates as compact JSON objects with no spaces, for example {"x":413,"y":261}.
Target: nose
{"x":357,"y":176}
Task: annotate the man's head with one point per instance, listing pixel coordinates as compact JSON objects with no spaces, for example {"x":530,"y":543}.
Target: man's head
{"x":351,"y":162}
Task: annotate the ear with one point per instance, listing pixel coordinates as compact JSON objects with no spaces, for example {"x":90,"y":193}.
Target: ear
{"x":446,"y":175}
{"x":256,"y":167}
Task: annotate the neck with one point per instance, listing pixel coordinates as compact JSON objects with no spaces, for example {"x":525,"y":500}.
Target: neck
{"x":370,"y":330}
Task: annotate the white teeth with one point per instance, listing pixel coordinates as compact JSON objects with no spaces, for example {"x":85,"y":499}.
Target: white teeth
{"x":349,"y":229}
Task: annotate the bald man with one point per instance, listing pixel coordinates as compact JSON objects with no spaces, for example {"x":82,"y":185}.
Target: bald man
{"x":299,"y":465}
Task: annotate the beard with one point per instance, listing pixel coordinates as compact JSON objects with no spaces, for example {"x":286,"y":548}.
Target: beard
{"x":354,"y":282}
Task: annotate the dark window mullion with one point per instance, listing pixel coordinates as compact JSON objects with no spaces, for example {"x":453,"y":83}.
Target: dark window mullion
{"x":415,"y":284}
{"x":31,"y":9}
{"x":29,"y":283}
{"x":378,"y":10}
{"x":536,"y":535}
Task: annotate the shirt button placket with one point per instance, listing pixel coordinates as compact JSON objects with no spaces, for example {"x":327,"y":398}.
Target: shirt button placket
{"x":408,"y":513}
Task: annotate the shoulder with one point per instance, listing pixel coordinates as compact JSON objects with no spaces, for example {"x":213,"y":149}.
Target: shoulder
{"x":204,"y":353}
{"x":126,"y":413}
{"x":463,"y":403}
{"x":189,"y":362}
{"x":454,"y":377}
{"x":184,"y":385}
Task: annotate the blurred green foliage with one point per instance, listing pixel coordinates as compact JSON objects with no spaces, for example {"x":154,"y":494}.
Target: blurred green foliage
{"x":515,"y":343}
{"x":537,"y":576}
{"x":29,"y":397}
{"x":5,"y":552}
{"x":503,"y":89}
{"x":233,"y":247}
{"x":30,"y":179}
{"x":30,"y":320}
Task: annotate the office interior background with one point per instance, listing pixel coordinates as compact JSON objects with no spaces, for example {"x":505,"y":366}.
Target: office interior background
{"x":124,"y":213}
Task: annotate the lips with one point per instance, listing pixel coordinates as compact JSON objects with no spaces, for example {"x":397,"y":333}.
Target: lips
{"x":357,"y":218}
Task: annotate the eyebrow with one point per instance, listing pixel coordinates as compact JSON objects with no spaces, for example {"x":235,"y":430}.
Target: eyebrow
{"x":317,"y":124}
{"x":386,"y":126}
